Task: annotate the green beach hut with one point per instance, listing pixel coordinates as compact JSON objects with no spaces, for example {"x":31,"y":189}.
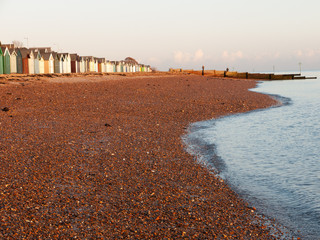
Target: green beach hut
{"x":6,"y":60}
{"x":1,"y":61}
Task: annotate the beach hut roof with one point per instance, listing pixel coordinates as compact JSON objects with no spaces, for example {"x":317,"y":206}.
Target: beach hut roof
{"x":37,"y":55}
{"x":101,"y":60}
{"x":25,"y":52}
{"x":3,"y":49}
{"x":7,"y":45}
{"x":12,"y":51}
{"x":46,"y":56}
{"x":42,"y":49}
{"x":74,"y":57}
{"x":131,"y":60}
{"x":89,"y":57}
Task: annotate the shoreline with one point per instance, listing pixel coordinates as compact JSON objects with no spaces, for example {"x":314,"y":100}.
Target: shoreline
{"x":105,"y":158}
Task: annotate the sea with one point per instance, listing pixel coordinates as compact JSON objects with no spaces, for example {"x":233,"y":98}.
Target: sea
{"x":270,"y":157}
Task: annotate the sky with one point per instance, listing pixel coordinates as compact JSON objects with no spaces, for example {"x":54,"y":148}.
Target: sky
{"x":242,"y":35}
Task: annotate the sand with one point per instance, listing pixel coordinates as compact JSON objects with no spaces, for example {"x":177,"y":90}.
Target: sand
{"x":101,"y":157}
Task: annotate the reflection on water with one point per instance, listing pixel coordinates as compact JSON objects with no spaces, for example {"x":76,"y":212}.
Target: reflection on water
{"x":271,"y":157}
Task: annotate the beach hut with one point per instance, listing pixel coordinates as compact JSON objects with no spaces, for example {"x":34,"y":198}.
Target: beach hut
{"x":82,"y":64}
{"x":31,"y":62}
{"x":48,"y":62}
{"x":78,"y":63}
{"x":91,"y":64}
{"x":6,"y":60}
{"x":109,"y":67}
{"x":41,"y":65}
{"x":67,"y":64}
{"x":19,"y":61}
{"x":25,"y":60}
{"x":1,"y":61}
{"x":96,"y":65}
{"x":58,"y":62}
{"x":135,"y":68}
{"x":115,"y":66}
{"x":87,"y":60}
{"x":130,"y":64}
{"x":121,"y":66}
{"x":13,"y":60}
{"x":37,"y":57}
{"x":74,"y":63}
{"x":86,"y":64}
{"x":64,"y":61}
{"x":124,"y":67}
{"x":118,"y":67}
{"x":101,"y":65}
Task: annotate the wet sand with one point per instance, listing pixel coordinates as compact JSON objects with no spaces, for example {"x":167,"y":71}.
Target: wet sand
{"x":104,"y":159}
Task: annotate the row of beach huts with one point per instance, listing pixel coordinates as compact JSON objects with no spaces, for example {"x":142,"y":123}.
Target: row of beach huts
{"x":15,"y":60}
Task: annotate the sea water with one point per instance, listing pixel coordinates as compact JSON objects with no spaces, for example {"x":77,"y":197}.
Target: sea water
{"x":271,"y":157}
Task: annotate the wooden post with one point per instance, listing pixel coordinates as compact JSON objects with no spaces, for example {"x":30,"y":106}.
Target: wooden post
{"x":202,"y":70}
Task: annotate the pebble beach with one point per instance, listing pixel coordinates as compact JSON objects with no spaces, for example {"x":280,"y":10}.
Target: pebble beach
{"x":101,"y":157}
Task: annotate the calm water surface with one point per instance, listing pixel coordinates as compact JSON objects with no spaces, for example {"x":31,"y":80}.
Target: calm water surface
{"x":271,"y":157}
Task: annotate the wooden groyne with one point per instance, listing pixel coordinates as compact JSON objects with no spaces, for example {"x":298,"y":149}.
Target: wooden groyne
{"x":245,"y":75}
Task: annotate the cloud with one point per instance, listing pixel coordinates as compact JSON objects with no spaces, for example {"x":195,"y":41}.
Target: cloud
{"x":182,"y":57}
{"x":198,"y":55}
{"x":154,"y":60}
{"x":309,"y":53}
{"x":186,"y":57}
{"x":232,"y":56}
{"x":266,"y":55}
{"x":298,"y":53}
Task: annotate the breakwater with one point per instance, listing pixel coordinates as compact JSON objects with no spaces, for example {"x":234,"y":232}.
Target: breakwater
{"x":245,"y":75}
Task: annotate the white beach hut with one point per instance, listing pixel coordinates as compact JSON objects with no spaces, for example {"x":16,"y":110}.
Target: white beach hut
{"x":83,"y":64}
{"x":96,"y":65}
{"x":109,"y":67}
{"x":41,"y":65}
{"x":31,"y":62}
{"x":13,"y":60}
{"x":91,"y":64}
